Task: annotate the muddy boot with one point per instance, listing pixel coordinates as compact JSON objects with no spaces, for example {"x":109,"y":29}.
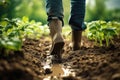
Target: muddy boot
{"x":55,"y":26}
{"x":76,"y":40}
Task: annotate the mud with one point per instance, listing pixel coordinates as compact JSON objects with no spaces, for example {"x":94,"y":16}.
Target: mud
{"x":89,"y":63}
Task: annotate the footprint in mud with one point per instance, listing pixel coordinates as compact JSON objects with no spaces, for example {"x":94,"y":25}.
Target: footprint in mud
{"x":53,"y":71}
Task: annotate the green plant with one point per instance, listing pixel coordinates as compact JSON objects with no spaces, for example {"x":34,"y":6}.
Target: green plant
{"x":9,"y":35}
{"x":14,"y":31}
{"x":115,"y":24}
{"x":101,"y":31}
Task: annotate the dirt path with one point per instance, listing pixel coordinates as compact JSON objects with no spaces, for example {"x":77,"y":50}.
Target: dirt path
{"x":89,"y":63}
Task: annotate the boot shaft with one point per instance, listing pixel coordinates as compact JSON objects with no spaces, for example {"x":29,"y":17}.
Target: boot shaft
{"x":55,"y":26}
{"x":76,"y":39}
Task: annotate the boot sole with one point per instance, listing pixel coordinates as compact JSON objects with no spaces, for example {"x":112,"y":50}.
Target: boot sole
{"x":57,"y":48}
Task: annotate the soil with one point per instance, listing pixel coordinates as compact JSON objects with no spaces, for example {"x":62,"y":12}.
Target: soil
{"x":89,"y":63}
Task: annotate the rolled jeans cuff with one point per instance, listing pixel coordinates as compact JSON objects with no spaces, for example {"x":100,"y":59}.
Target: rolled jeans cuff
{"x":51,"y":18}
{"x":54,"y":9}
{"x":80,"y":27}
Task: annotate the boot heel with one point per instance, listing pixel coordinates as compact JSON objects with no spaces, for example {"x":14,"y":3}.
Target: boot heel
{"x":57,"y":48}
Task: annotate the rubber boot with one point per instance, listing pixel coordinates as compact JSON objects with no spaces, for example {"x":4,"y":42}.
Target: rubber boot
{"x":55,"y":27}
{"x":76,"y":40}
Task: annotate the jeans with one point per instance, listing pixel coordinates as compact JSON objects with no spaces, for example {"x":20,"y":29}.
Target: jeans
{"x":54,"y":8}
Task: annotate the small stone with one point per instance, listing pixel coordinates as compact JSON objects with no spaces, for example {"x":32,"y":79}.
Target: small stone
{"x":48,"y":71}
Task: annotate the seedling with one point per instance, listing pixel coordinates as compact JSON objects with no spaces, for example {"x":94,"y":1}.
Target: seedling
{"x":100,"y":31}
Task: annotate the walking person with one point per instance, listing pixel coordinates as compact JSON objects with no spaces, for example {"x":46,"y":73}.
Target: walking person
{"x":54,"y":9}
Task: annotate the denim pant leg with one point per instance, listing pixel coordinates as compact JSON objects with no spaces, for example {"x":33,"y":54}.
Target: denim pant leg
{"x":54,"y":9}
{"x":77,"y":15}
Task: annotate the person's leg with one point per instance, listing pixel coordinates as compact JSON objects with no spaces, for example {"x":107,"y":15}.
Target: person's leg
{"x":54,"y":9}
{"x":77,"y":22}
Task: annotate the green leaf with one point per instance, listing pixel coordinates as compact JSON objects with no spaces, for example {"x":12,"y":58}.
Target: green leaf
{"x":110,"y":30}
{"x":3,"y":23}
{"x":14,"y":23}
{"x":14,"y":44}
{"x":25,"y":19}
{"x":12,"y":34}
{"x":92,"y":28}
{"x":9,"y":26}
{"x":6,"y":19}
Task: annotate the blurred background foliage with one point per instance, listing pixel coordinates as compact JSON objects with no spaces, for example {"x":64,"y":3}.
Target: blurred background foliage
{"x":107,"y":10}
